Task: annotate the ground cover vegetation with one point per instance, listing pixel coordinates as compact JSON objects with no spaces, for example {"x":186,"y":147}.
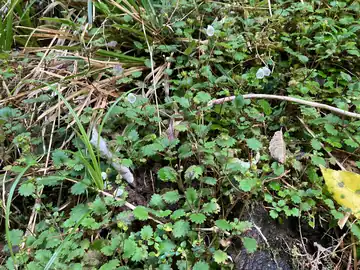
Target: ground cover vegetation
{"x":179,"y":134}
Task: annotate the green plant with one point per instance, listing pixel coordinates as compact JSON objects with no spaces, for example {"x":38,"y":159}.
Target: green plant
{"x":93,"y":167}
{"x":6,"y":27}
{"x":202,"y":142}
{"x":10,"y":12}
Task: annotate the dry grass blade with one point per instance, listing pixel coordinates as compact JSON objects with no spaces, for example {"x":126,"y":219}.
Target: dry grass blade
{"x":126,"y":73}
{"x":158,"y":74}
{"x":50,"y":36}
{"x":132,"y":12}
{"x":61,"y":102}
{"x":51,"y":32}
{"x":80,"y":108}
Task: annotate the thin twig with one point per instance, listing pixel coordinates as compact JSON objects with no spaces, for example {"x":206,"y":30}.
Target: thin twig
{"x":277,"y":177}
{"x":6,"y":88}
{"x":291,"y":99}
{"x":3,"y":203}
{"x":266,"y":242}
{"x":349,"y":262}
{"x":152,"y":182}
{"x":354,"y":250}
{"x":261,"y":234}
{"x":212,"y":229}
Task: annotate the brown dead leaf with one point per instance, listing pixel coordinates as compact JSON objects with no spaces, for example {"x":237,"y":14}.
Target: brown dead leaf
{"x":277,"y":147}
{"x":225,"y":242}
{"x":341,"y":222}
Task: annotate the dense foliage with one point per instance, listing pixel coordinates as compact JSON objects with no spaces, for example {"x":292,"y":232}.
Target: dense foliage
{"x":143,"y":74}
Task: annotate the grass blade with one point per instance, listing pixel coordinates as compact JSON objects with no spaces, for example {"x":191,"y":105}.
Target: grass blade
{"x":90,"y":12}
{"x":9,"y":32}
{"x":95,"y":170}
{"x":8,"y":205}
{"x":120,"y":56}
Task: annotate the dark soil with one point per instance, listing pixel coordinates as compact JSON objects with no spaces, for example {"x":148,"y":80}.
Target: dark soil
{"x":275,"y":234}
{"x":3,"y":255}
{"x":274,"y":252}
{"x":142,"y":191}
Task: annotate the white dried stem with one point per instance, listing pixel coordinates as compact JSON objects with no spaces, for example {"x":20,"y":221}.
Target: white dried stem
{"x":98,"y":142}
{"x":291,"y":99}
{"x":269,"y":4}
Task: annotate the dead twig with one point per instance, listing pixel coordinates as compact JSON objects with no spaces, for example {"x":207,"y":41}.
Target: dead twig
{"x":212,"y":229}
{"x":285,"y":98}
{"x":269,"y":4}
{"x":277,"y":177}
{"x":353,"y":240}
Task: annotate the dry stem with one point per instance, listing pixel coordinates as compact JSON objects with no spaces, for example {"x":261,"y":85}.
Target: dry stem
{"x":291,"y":99}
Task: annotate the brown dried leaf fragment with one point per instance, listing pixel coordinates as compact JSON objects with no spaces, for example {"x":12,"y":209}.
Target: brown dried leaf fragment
{"x":277,"y":147}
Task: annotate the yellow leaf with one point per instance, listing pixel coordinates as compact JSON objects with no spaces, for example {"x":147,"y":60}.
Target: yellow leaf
{"x":344,"y":187}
